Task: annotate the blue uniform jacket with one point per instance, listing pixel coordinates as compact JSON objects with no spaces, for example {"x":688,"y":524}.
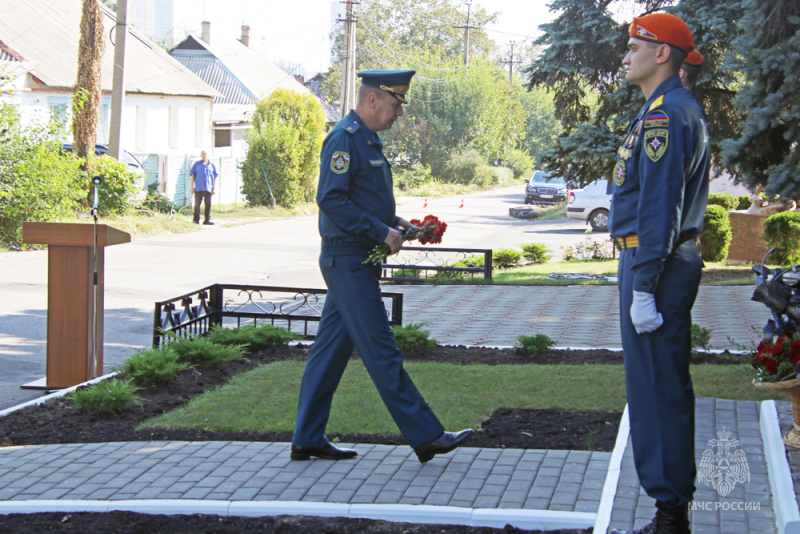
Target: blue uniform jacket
{"x":661,"y":179}
{"x":355,"y":195}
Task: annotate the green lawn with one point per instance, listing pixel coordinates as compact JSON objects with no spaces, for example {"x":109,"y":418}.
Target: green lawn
{"x":265,"y":399}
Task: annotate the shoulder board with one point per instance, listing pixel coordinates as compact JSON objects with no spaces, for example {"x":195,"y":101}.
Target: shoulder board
{"x":656,"y":103}
{"x":352,"y":127}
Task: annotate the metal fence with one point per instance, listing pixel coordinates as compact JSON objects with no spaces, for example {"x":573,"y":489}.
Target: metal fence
{"x":232,"y":305}
{"x":421,"y":264}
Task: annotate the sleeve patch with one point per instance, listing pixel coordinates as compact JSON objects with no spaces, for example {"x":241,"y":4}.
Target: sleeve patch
{"x":656,"y":119}
{"x":655,"y":143}
{"x":340,"y":162}
{"x":656,"y":103}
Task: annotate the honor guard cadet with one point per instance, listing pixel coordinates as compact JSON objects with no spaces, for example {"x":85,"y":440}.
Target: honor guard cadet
{"x":356,"y":213}
{"x":660,"y":192}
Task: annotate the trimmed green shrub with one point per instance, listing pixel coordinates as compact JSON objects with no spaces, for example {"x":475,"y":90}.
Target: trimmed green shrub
{"x":782,"y":231}
{"x":152,"y":366}
{"x":716,"y":236}
{"x":412,"y":339}
{"x":535,"y":253}
{"x":536,"y":344}
{"x":701,"y":337}
{"x":411,"y":177}
{"x":252,"y":338}
{"x":200,"y":352}
{"x":109,"y":396}
{"x":120,"y":188}
{"x":520,"y":162}
{"x":467,"y":167}
{"x":473,"y":260}
{"x":726,"y":200}
{"x":743,"y":202}
{"x":284,"y":145}
{"x":505,"y":258}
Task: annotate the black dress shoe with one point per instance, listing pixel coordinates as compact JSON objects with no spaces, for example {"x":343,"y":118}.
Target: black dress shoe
{"x":441,"y":445}
{"x":326,"y":452}
{"x":669,"y":519}
{"x":208,"y":223}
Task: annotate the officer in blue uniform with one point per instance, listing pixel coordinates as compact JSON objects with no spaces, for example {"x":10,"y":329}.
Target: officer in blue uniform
{"x":660,"y":196}
{"x":356,"y":213}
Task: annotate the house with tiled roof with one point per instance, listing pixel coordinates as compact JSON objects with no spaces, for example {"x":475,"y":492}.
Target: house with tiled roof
{"x":167,"y":114}
{"x":242,"y":76}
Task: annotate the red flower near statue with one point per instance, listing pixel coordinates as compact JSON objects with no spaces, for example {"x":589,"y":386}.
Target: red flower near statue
{"x":428,"y":230}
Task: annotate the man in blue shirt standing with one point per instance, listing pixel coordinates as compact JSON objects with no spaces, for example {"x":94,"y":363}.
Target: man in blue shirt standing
{"x":204,"y":175}
{"x":356,"y":213}
{"x":660,"y":196}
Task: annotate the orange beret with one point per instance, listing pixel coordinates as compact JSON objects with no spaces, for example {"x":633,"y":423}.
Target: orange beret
{"x":663,"y":28}
{"x":695,"y":58}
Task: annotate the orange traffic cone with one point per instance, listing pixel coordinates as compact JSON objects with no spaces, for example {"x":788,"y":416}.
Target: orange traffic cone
{"x":462,"y":203}
{"x":426,"y":203}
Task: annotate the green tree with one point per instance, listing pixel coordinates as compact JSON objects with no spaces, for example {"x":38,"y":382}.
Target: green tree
{"x":542,"y":126}
{"x":768,"y":53}
{"x":284,"y":145}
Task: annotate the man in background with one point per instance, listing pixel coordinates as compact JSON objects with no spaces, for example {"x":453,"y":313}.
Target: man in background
{"x":204,"y":175}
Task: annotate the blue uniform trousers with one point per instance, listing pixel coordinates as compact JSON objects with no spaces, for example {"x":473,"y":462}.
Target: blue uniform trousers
{"x":354,"y":316}
{"x":660,"y":394}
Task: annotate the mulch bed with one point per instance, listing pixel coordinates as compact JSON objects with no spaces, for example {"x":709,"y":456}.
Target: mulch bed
{"x":59,"y":422}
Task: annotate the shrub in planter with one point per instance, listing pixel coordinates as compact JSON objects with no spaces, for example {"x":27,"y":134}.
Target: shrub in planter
{"x":536,"y":344}
{"x":701,"y":337}
{"x":716,"y":236}
{"x":412,"y":339}
{"x":200,"y":352}
{"x":109,"y":396}
{"x":535,"y":252}
{"x":252,"y":338}
{"x":743,"y":202}
{"x":152,"y":366}
{"x":782,"y":231}
{"x":726,"y":200}
{"x":505,"y":258}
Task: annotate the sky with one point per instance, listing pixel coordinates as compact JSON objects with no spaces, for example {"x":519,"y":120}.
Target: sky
{"x":297,"y":30}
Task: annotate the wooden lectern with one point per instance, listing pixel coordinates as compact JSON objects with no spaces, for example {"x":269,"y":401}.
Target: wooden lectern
{"x":71,"y":308}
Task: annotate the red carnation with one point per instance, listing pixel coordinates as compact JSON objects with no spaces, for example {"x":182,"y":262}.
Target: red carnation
{"x":771,"y":366}
{"x":776,"y":350}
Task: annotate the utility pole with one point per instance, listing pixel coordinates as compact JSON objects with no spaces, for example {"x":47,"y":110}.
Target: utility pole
{"x":348,"y":97}
{"x":118,"y":82}
{"x":467,"y":28}
{"x":510,"y":63}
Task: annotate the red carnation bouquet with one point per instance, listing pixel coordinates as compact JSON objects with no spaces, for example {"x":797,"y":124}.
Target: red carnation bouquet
{"x":777,"y":359}
{"x":428,"y":230}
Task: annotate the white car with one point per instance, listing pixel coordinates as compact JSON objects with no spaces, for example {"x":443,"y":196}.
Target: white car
{"x":590,"y":204}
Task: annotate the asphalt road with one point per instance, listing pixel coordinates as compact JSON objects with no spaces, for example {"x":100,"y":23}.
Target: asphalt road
{"x":277,"y":253}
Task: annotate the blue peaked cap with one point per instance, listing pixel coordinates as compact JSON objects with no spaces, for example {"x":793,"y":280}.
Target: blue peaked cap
{"x":395,"y":82}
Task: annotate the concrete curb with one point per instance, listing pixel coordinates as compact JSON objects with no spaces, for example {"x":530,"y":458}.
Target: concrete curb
{"x":612,"y":476}
{"x":57,"y":394}
{"x":787,"y":516}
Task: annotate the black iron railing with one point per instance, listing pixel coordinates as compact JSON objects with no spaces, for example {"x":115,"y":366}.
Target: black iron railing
{"x":420,"y":264}
{"x":296,"y":309}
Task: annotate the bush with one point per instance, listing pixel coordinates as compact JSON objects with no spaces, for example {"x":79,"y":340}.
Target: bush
{"x":412,"y":339}
{"x":782,"y":231}
{"x":590,"y":249}
{"x":726,"y":200}
{"x":701,"y":337}
{"x":520,"y":162}
{"x":535,"y":253}
{"x":120,"y":187}
{"x":743,"y":202}
{"x":155,"y":201}
{"x":501,"y":175}
{"x":284,"y":143}
{"x":200,"y":352}
{"x":252,"y":338}
{"x":716,"y":236}
{"x":536,"y":344}
{"x":411,"y":177}
{"x":152,"y":366}
{"x":467,"y":167}
{"x":505,"y":258}
{"x":37,"y":182}
{"x":109,"y":396}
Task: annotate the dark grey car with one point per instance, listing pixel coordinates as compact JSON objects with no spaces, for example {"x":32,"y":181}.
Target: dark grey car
{"x":542,"y":188}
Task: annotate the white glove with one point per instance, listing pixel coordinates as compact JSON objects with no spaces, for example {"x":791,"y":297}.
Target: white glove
{"x":644,"y":314}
